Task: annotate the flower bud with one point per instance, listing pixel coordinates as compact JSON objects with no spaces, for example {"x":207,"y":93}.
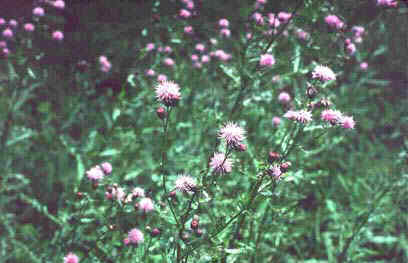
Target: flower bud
{"x":285,"y":166}
{"x":240,"y":147}
{"x":161,"y":113}
{"x":311,"y":92}
{"x":273,"y":156}
{"x":194,"y":224}
{"x":95,"y":185}
{"x":199,"y":232}
{"x":155,"y":232}
{"x":324,"y":103}
{"x":79,"y":195}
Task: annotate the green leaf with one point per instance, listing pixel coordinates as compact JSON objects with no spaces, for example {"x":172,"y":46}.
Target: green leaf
{"x":80,"y":167}
{"x":109,"y":152}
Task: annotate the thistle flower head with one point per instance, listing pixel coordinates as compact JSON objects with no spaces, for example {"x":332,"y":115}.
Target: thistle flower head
{"x":168,"y":92}
{"x":185,"y":184}
{"x":232,"y":133}
{"x":95,"y":173}
{"x":135,"y":236}
{"x":71,"y":258}
{"x":146,"y":205}
{"x":323,"y":73}
{"x":220,"y":163}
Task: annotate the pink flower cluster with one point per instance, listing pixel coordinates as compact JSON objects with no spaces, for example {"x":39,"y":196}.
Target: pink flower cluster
{"x":168,"y":93}
{"x":334,"y":22}
{"x":323,"y":73}
{"x":387,"y":3}
{"x":220,"y":163}
{"x":134,"y":237}
{"x":224,"y":24}
{"x":71,"y":258}
{"x":105,"y":64}
{"x":336,"y":117}
{"x":302,"y":116}
{"x":185,"y":184}
{"x":267,"y":60}
{"x":232,"y":134}
{"x":97,"y":172}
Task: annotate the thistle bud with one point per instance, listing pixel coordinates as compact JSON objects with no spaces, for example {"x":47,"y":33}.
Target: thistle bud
{"x":194,"y":224}
{"x":79,"y":195}
{"x":273,"y":156}
{"x":240,"y":147}
{"x":285,"y":166}
{"x":199,"y":232}
{"x":324,"y":103}
{"x":161,"y":113}
{"x":311,"y":92}
{"x":155,"y":232}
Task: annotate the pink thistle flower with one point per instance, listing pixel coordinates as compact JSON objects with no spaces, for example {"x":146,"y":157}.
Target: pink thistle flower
{"x":358,"y":31}
{"x":161,"y":78}
{"x":168,"y":93}
{"x":387,"y":3}
{"x":60,"y":4}
{"x":168,"y":49}
{"x":126,"y":241}
{"x":284,"y":17}
{"x":276,"y":121}
{"x":104,"y":63}
{"x":225,"y":32}
{"x":258,"y":18}
{"x":146,"y":205}
{"x":135,"y":236}
{"x":185,"y":184}
{"x":301,"y":34}
{"x":363,"y":65}
{"x":347,"y":122}
{"x":188,"y":29}
{"x":332,"y":116}
{"x":8,"y":33}
{"x":351,"y":49}
{"x":95,"y":173}
{"x":5,"y":52}
{"x":150,"y":72}
{"x":3,"y":44}
{"x":169,"y":62}
{"x":205,"y":59}
{"x":29,"y":27}
{"x":2,"y":21}
{"x":150,"y":47}
{"x":323,"y":73}
{"x":220,"y":163}
{"x":38,"y":11}
{"x":197,"y":65}
{"x":302,"y":116}
{"x":223,"y":22}
{"x":248,"y":35}
{"x":262,"y":2}
{"x":184,"y":13}
{"x":213,"y":41}
{"x":13,"y":23}
{"x":71,"y":258}
{"x":273,"y":20}
{"x":267,"y":60}
{"x":58,"y":35}
{"x":190,"y":5}
{"x":275,"y":171}
{"x":118,"y":193}
{"x":232,"y":133}
{"x":200,"y":47}
{"x":284,"y":97}
{"x":194,"y":57}
{"x":106,"y":167}
{"x":138,"y":192}
{"x":334,"y":21}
